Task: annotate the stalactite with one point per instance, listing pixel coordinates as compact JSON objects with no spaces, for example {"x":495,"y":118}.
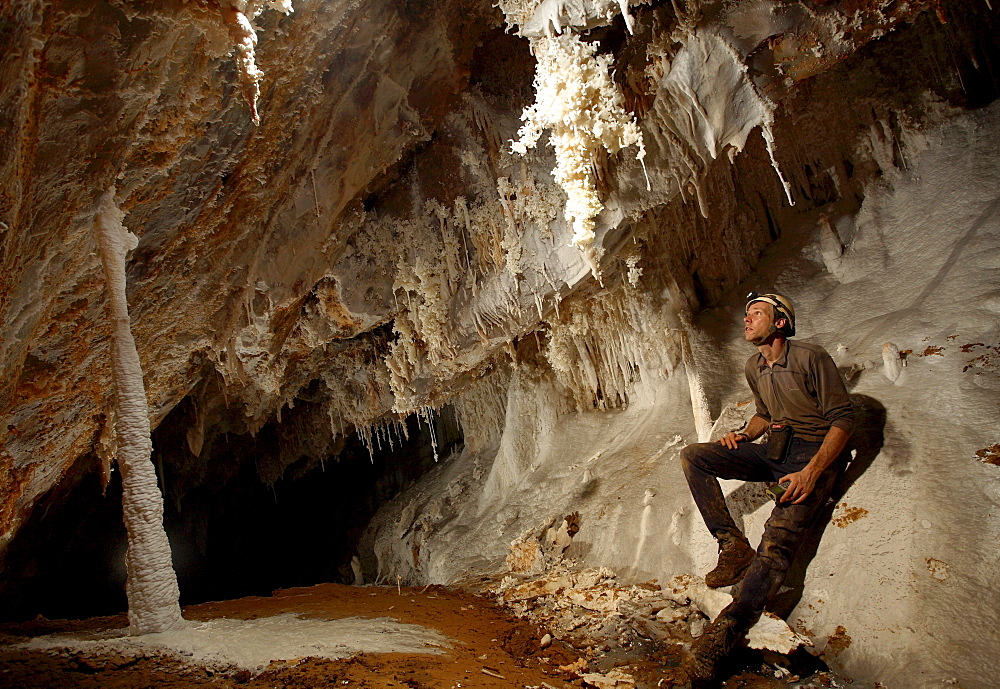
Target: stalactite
{"x":428,"y":414}
{"x":603,"y":346}
{"x":151,"y":584}
{"x":237,"y":16}
{"x":576,"y":98}
{"x":706,"y":104}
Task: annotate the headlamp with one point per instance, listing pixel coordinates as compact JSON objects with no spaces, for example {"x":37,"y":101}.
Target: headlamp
{"x":766,"y":298}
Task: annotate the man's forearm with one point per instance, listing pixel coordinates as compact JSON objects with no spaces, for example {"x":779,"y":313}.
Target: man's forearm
{"x":758,"y":424}
{"x":833,"y":444}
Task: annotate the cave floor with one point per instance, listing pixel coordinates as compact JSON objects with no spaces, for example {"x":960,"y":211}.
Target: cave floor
{"x":487,"y":647}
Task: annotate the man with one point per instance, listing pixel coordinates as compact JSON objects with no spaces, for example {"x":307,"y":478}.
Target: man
{"x":800,"y":397}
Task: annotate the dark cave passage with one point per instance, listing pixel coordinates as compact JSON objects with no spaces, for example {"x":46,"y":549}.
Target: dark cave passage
{"x":232,"y":534}
{"x":241,"y":536}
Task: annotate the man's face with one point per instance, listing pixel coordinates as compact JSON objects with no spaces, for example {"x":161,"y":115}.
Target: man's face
{"x":758,"y":321}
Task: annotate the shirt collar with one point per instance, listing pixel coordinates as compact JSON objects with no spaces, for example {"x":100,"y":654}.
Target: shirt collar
{"x":782,"y":360}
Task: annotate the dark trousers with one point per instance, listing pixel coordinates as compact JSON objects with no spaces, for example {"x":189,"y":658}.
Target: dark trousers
{"x":705,"y":463}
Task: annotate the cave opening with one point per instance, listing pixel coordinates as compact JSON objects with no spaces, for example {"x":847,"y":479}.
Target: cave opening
{"x":232,"y":533}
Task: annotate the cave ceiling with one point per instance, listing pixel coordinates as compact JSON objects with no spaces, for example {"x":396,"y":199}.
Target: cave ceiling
{"x":371,"y":243}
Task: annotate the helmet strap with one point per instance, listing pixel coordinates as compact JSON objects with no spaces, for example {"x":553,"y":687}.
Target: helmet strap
{"x":771,"y":332}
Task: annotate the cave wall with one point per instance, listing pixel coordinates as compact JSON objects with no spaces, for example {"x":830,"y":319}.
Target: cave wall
{"x":239,"y":225}
{"x":250,"y":515}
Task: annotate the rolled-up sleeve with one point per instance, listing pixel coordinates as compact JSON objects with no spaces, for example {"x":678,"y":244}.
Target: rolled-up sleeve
{"x":831,"y":393}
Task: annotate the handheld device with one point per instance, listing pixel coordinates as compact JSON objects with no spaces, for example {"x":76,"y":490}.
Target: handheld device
{"x":778,"y":489}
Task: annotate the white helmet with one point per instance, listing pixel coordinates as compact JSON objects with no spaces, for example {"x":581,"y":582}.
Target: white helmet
{"x":782,"y":308}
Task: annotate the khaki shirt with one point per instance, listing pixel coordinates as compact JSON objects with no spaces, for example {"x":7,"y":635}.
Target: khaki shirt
{"x":803,"y":390}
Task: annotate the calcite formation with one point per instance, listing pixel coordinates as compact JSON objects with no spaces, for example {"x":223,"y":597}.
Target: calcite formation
{"x":154,"y":604}
{"x":576,"y":99}
{"x":341,"y":226}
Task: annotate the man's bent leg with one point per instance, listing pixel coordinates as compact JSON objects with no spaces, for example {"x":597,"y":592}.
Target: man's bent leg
{"x":705,"y":463}
{"x":783,"y":533}
{"x":702,"y":464}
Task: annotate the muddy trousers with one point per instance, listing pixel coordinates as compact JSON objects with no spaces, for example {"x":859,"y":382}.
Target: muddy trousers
{"x":705,"y":463}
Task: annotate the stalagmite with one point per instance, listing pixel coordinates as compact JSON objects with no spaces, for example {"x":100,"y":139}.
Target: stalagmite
{"x":893,"y":361}
{"x":151,"y":584}
{"x":647,"y":511}
{"x":699,"y":400}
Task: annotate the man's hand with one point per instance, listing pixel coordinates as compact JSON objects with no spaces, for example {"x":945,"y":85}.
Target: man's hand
{"x":732,"y":440}
{"x":802,"y":484}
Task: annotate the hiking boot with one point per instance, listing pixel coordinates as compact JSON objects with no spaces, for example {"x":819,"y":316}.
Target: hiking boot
{"x":735,"y":556}
{"x":714,"y":644}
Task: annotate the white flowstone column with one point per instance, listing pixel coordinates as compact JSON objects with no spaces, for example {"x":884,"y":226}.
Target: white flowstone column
{"x":151,"y":584}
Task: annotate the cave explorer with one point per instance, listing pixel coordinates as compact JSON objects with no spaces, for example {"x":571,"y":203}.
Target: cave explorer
{"x":801,"y":402}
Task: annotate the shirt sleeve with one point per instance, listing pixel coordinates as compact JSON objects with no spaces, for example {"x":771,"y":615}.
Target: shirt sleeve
{"x":750,"y":371}
{"x":831,"y":393}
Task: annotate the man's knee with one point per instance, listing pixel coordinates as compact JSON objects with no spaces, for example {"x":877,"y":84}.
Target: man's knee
{"x":687,"y":458}
{"x":775,"y":552}
{"x":694,"y":456}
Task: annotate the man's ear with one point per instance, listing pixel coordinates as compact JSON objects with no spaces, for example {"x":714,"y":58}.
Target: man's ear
{"x":780,"y":323}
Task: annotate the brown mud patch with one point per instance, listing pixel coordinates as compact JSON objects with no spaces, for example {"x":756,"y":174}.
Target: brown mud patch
{"x":990,"y":455}
{"x":939,"y":569}
{"x":987,"y":359}
{"x":490,"y":648}
{"x":847,"y":515}
{"x":838,"y":642}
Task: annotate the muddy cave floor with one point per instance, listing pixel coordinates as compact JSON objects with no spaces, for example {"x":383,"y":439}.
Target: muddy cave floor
{"x":488,"y":646}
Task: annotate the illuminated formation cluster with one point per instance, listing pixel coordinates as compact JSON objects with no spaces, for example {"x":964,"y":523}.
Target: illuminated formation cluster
{"x":577,"y":100}
{"x":238,"y":17}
